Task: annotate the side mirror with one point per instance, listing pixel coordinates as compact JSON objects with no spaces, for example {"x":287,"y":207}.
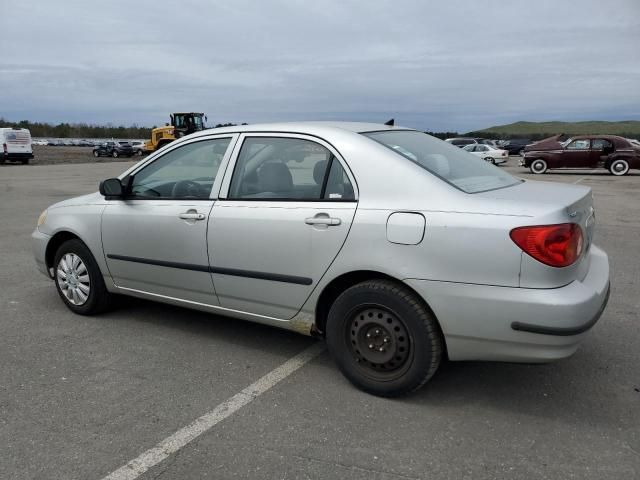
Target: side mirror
{"x":111,"y":188}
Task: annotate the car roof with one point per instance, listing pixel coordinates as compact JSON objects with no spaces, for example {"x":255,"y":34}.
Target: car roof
{"x":303,"y":127}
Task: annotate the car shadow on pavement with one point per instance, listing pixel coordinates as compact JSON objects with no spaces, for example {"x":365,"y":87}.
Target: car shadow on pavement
{"x":203,"y":324}
{"x":550,"y":391}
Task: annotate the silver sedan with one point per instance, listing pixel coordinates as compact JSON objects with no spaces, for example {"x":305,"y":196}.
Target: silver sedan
{"x":399,"y":249}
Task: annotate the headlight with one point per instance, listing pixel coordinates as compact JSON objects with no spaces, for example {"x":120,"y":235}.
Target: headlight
{"x":42,"y":218}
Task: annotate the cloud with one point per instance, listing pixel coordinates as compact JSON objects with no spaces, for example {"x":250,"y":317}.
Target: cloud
{"x":432,"y":65}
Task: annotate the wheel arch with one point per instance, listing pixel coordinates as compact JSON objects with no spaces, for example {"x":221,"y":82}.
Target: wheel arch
{"x":58,"y":239}
{"x":335,"y":287}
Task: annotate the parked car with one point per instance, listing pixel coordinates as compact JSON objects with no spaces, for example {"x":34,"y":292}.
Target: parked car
{"x":461,"y":141}
{"x":113,"y":149}
{"x":138,"y":147}
{"x":486,"y":152}
{"x":394,"y":246}
{"x":616,"y":154}
{"x":516,"y":145}
{"x":16,"y":145}
{"x":491,"y":143}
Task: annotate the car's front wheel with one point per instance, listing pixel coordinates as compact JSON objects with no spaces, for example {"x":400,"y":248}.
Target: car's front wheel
{"x":78,"y":279}
{"x":114,"y":154}
{"x":619,"y":167}
{"x":538,"y":166}
{"x":384,"y":338}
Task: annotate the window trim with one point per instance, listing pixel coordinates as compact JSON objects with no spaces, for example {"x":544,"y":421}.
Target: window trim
{"x":231,"y":167}
{"x":133,"y":171}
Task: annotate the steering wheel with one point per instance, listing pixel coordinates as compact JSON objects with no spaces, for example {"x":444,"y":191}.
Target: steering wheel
{"x":186,"y":188}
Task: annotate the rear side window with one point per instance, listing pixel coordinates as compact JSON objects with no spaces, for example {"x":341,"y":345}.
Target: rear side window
{"x":279,"y":168}
{"x":449,"y":163}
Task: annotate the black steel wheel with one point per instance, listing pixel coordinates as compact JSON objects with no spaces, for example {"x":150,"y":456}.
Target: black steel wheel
{"x":384,"y":338}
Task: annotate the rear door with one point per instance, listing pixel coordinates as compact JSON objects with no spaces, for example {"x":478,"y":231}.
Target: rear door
{"x":17,"y":140}
{"x":286,"y":206}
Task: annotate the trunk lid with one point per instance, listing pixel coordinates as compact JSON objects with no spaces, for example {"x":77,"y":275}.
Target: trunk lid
{"x":547,"y":203}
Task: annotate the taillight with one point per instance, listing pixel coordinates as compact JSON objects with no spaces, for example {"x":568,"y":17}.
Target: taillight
{"x":555,"y":245}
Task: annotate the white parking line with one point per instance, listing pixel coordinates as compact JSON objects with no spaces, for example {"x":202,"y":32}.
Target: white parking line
{"x":182,"y":437}
{"x":582,"y":178}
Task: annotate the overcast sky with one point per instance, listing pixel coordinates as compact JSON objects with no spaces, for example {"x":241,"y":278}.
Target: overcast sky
{"x":447,"y":65}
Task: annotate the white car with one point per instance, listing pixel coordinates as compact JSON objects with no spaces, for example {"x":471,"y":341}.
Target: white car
{"x":488,"y":153}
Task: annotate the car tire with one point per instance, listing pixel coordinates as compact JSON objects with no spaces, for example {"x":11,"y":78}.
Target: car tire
{"x":139,"y":153}
{"x":25,"y":161}
{"x":96,"y":153}
{"x":383,"y":337}
{"x":619,"y":167}
{"x":114,"y":154}
{"x":490,"y":160}
{"x":78,"y":279}
{"x":538,"y":166}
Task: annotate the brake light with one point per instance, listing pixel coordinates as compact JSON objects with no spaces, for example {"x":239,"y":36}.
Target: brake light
{"x":554,"y":245}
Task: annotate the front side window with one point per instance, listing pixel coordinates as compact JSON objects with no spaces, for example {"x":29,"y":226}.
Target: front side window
{"x":451,"y":164}
{"x":578,"y":145}
{"x":288,"y":169}
{"x":187,"y":172}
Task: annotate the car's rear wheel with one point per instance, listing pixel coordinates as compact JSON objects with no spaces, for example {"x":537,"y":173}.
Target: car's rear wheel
{"x":25,"y":161}
{"x":619,"y":167}
{"x":490,"y":160}
{"x":78,"y":279}
{"x":114,"y":154}
{"x":538,"y":166}
{"x":384,"y":338}
{"x":96,"y":154}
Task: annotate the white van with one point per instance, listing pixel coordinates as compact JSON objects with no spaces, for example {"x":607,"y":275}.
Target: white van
{"x":16,"y":145}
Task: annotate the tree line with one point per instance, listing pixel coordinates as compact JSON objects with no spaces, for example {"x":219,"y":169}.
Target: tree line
{"x":85,"y":130}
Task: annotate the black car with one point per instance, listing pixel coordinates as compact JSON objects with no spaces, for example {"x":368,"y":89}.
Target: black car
{"x":515,"y":146}
{"x":113,"y":149}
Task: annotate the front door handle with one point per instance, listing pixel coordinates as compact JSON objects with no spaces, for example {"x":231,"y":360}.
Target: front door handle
{"x":322,"y":220}
{"x":191,"y":215}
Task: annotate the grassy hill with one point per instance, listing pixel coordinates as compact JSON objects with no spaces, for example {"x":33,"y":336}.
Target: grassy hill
{"x":628,"y":128}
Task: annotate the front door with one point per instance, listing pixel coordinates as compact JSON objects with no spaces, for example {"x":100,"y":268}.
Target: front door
{"x":577,"y":154}
{"x":154,"y":241}
{"x":288,"y":208}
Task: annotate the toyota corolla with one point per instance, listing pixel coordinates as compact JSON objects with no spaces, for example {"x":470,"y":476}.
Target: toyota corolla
{"x":397,"y":248}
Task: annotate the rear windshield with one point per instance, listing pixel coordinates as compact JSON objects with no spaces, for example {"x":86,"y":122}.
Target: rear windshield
{"x":461,"y":169}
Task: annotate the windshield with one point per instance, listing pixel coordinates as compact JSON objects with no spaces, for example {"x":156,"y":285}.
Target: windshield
{"x":447,"y":162}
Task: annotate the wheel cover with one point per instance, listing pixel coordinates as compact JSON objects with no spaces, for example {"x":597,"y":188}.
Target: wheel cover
{"x":619,"y":167}
{"x":73,"y":279}
{"x":379,"y":342}
{"x":538,"y":166}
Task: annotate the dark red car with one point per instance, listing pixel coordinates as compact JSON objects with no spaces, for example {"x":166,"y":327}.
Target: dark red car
{"x":616,"y":154}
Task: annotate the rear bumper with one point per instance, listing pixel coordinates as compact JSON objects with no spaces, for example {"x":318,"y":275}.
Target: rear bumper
{"x":17,"y":155}
{"x":482,"y":322}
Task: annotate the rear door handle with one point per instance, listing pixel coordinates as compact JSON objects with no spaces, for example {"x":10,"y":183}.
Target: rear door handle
{"x":329,"y":221}
{"x":192,"y":216}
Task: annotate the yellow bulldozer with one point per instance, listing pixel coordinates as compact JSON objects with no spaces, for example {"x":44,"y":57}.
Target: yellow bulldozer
{"x":181,"y":124}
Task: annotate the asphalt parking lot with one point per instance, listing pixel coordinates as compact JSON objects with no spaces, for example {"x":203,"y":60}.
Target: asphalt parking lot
{"x":82,"y":396}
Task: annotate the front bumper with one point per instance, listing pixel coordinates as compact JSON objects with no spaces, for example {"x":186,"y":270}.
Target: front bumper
{"x":39,"y":242}
{"x":483,"y":322}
